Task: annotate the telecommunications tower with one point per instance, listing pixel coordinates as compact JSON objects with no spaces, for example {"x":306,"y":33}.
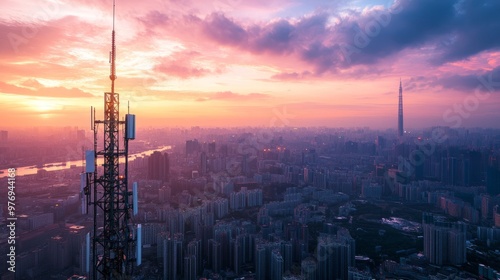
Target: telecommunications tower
{"x":105,"y":187}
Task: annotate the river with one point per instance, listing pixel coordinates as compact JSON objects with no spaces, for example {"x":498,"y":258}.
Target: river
{"x":54,"y":166}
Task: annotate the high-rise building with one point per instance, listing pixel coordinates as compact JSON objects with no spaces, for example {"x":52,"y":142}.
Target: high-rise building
{"x":172,"y":256}
{"x":449,"y":170}
{"x":59,"y":253}
{"x":237,"y":254}
{"x":158,"y":166}
{"x":164,"y":194}
{"x":444,"y":242}
{"x":223,"y":235}
{"x":308,"y":269}
{"x":76,"y":237}
{"x":244,"y":165}
{"x":287,"y":249}
{"x":203,"y":163}
{"x":485,"y":206}
{"x":215,"y":254}
{"x":260,"y":262}
{"x":276,"y":265}
{"x":335,"y":254}
{"x":192,"y":146}
{"x":211,"y":148}
{"x":4,"y":135}
{"x":175,"y":221}
{"x":298,"y":235}
{"x":475,"y":167}
{"x":324,"y":256}
{"x":194,"y":249}
{"x":496,"y":216}
{"x":243,"y":246}
{"x":150,"y":232}
{"x":190,"y":268}
{"x":400,"y":110}
{"x":493,"y":176}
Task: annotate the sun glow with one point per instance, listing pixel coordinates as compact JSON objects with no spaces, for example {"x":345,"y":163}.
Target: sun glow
{"x":40,"y":105}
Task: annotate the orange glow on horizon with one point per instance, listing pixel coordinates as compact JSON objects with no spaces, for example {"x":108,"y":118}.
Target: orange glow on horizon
{"x":260,"y":63}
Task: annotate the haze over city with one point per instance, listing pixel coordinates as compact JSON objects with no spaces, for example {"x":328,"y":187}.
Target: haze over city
{"x":238,"y":63}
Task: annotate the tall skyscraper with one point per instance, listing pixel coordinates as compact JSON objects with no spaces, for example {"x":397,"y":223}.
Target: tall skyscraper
{"x":190,"y":267}
{"x":4,"y":135}
{"x":158,"y":166}
{"x":335,"y":254}
{"x":194,"y":249}
{"x":203,"y":163}
{"x":400,"y":110}
{"x":172,"y":256}
{"x":260,"y":262}
{"x":493,"y":175}
{"x":276,"y":265}
{"x":59,"y":253}
{"x":444,"y":242}
{"x":192,"y":146}
{"x":215,"y":254}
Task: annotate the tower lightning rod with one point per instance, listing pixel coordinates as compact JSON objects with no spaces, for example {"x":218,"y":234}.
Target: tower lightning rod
{"x":113,"y":15}
{"x":113,"y":54}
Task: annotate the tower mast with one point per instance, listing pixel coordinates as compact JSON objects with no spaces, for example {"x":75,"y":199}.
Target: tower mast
{"x":112,"y":252}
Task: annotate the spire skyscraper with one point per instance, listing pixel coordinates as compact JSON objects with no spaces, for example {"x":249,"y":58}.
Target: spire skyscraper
{"x":400,"y":110}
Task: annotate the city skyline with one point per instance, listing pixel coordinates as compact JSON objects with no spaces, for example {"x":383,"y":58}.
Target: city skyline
{"x":265,"y":63}
{"x":315,"y":202}
{"x":261,"y":151}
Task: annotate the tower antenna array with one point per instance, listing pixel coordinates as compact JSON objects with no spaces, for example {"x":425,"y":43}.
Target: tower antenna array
{"x":107,"y":186}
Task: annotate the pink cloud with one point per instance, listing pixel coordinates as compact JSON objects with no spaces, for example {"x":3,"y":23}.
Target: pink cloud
{"x":185,"y":65}
{"x":43,"y":91}
{"x":231,"y":96}
{"x":26,"y":40}
{"x":291,"y":76}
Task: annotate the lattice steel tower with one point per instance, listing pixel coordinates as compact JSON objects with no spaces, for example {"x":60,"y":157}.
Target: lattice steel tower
{"x":400,"y":110}
{"x":107,"y":186}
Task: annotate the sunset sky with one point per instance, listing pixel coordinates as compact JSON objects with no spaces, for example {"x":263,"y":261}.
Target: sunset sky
{"x":333,"y":63}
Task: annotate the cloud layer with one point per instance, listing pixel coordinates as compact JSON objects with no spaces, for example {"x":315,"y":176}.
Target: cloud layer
{"x":270,"y":53}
